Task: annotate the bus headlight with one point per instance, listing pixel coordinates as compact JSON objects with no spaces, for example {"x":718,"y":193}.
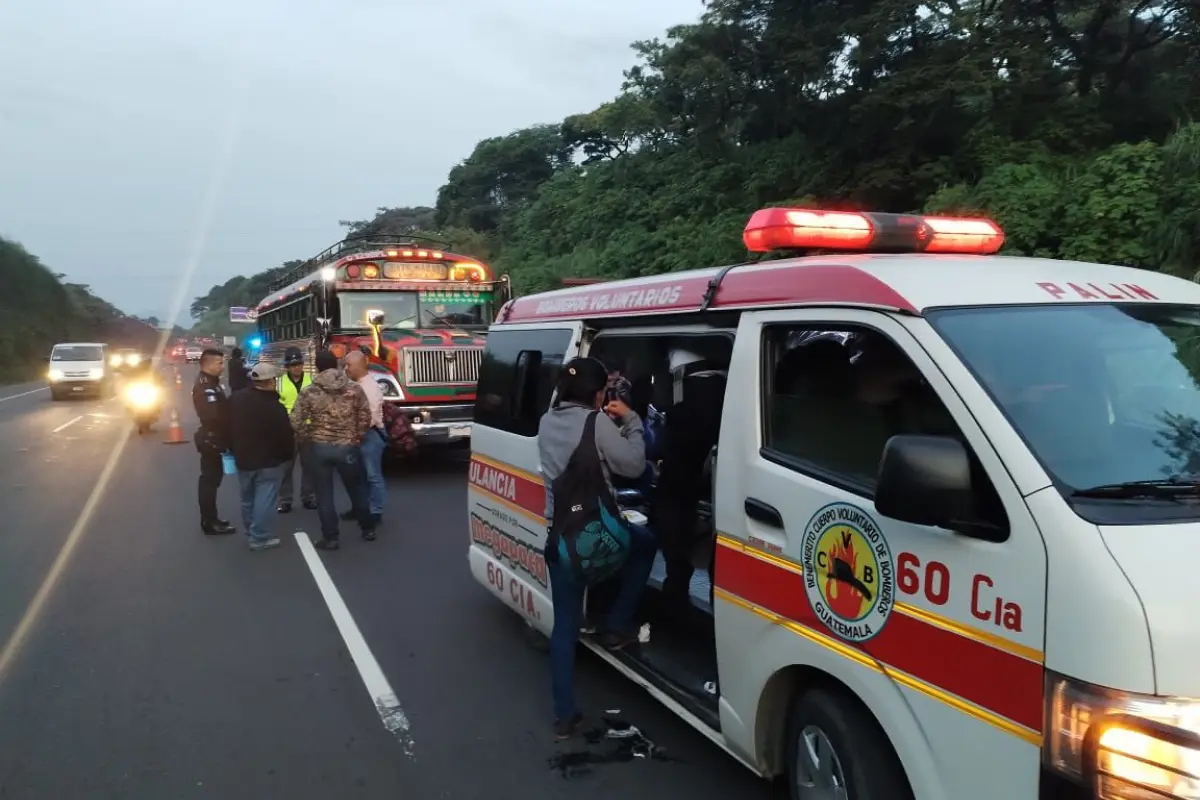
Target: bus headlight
{"x":1133,"y":761}
{"x":55,"y":375}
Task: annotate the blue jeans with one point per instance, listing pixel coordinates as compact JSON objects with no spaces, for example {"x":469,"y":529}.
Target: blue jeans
{"x":566,"y":594}
{"x":372,"y":455}
{"x":325,"y":460}
{"x":260,"y":491}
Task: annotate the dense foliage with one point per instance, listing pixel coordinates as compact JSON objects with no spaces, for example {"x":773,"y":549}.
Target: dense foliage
{"x":1069,"y":121}
{"x":40,"y":309}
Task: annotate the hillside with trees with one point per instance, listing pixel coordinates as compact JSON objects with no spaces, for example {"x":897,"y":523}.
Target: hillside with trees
{"x":1070,"y":123}
{"x":40,"y":308}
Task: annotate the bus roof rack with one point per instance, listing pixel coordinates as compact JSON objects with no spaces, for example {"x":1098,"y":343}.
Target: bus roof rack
{"x":356,"y":243}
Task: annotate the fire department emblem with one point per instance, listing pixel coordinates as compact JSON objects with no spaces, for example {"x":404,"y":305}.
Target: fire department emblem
{"x":849,"y":574}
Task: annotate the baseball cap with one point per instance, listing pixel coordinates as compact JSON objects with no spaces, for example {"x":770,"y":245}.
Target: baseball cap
{"x":264,"y":372}
{"x":293,"y":356}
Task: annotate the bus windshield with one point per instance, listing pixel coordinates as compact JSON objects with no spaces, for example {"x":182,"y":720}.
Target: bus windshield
{"x":1102,"y":394}
{"x":414,"y":310}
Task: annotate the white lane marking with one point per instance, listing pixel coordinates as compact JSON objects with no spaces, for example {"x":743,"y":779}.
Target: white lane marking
{"x":385,"y":700}
{"x":23,"y":394}
{"x":67,"y":424}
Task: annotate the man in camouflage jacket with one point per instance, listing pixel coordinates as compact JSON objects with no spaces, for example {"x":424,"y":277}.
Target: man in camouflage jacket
{"x":332,"y":416}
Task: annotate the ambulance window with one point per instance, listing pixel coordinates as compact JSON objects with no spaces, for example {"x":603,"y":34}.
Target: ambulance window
{"x":516,"y":378}
{"x":833,"y":398}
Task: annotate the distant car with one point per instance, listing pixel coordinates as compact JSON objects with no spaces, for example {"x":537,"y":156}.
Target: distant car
{"x":128,"y":359}
{"x":193,"y":353}
{"x":79,"y":368}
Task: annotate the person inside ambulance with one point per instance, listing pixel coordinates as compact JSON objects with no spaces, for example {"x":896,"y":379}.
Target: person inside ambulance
{"x":692,"y":427}
{"x":832,"y":383}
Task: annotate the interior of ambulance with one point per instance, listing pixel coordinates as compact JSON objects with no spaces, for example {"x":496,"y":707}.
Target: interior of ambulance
{"x":830,"y":401}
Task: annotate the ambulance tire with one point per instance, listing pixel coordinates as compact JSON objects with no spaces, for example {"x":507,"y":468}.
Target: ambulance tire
{"x":868,"y":763}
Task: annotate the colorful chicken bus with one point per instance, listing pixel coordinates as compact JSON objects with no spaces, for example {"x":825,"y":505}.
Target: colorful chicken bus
{"x":421,"y":312}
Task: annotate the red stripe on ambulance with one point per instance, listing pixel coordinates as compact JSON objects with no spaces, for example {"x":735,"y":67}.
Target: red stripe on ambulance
{"x":788,"y":284}
{"x":518,"y":489}
{"x":991,"y":678}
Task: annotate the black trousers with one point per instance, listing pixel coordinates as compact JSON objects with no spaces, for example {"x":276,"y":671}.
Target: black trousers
{"x":211,"y":471}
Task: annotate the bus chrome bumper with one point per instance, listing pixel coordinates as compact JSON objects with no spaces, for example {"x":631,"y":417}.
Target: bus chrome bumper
{"x":439,"y":424}
{"x":441,"y":432}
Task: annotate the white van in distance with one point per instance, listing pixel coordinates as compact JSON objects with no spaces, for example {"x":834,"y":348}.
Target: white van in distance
{"x":79,"y":368}
{"x":941,"y":536}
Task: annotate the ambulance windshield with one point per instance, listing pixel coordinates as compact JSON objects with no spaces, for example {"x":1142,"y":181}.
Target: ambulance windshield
{"x":1102,"y":394}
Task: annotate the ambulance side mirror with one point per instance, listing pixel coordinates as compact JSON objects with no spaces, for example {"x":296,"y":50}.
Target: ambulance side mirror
{"x":926,"y":480}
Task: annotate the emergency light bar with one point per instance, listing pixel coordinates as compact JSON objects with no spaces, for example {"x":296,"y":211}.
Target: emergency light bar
{"x":805,"y":229}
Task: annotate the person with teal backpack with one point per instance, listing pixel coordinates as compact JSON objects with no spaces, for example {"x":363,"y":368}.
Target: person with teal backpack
{"x":581,"y":447}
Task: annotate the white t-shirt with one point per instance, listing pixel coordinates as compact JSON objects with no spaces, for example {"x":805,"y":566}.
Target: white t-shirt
{"x":374,"y":394}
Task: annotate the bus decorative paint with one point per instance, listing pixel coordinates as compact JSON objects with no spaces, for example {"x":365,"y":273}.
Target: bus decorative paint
{"x":420,"y":312}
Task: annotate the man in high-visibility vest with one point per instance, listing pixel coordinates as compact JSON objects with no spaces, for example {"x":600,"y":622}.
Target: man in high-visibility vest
{"x":290,"y":384}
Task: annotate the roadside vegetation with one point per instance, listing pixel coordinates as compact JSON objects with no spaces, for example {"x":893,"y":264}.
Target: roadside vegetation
{"x":1070,"y":123}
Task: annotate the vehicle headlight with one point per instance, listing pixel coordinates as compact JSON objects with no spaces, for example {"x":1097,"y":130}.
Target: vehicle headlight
{"x":96,"y":373}
{"x":55,"y":375}
{"x":390,"y":387}
{"x":115,"y":361}
{"x":134,"y":360}
{"x":1134,"y":762}
{"x":142,"y":395}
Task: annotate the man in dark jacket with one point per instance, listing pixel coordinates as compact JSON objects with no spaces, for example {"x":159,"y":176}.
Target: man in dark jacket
{"x":260,"y":436}
{"x":238,"y":379}
{"x":211,"y":404}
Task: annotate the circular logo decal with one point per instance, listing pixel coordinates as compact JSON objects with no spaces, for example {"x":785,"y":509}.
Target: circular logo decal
{"x":849,"y":575}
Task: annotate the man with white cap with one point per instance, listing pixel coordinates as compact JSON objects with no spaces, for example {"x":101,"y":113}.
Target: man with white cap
{"x":262,"y":442}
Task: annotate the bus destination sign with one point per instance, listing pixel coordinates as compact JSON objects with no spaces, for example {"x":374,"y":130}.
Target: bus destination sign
{"x":400,"y":270}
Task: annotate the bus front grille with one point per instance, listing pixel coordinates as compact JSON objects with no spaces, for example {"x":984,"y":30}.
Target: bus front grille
{"x":436,"y":366}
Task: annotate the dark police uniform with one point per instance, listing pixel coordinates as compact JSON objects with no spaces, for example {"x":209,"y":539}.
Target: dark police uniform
{"x":212,"y":438}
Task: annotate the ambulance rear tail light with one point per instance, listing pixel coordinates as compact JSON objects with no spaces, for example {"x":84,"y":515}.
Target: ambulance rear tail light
{"x":773,"y":229}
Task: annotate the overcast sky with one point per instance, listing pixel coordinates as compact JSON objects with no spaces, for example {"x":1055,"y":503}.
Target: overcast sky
{"x":128,"y":128}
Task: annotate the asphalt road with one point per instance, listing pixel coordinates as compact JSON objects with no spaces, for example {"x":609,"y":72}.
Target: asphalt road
{"x":141,"y":659}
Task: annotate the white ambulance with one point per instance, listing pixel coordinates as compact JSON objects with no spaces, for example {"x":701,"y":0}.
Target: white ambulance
{"x":944,"y":542}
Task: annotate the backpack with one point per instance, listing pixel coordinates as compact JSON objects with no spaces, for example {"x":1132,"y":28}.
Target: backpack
{"x":587,"y":532}
{"x":399,"y":432}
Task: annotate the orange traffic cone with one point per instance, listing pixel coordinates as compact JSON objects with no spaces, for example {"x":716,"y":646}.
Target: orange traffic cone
{"x":174,"y":430}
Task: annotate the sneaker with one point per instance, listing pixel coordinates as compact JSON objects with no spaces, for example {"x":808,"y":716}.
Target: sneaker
{"x":612,"y":640}
{"x":217,"y":528}
{"x":310,"y":503}
{"x":326,"y":544}
{"x":264,"y":544}
{"x":284,"y":508}
{"x":565,"y":729}
{"x":369,"y":534}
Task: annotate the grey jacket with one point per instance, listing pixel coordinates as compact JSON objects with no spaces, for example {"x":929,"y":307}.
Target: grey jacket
{"x":622,"y":450}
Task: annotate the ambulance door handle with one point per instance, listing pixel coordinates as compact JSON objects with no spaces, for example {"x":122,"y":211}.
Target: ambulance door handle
{"x":759,"y":511}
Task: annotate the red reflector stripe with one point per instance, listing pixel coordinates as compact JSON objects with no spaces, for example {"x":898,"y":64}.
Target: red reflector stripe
{"x":1000,"y":682}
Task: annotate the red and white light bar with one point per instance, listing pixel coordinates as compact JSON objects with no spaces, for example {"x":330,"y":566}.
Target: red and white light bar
{"x":807,"y":229}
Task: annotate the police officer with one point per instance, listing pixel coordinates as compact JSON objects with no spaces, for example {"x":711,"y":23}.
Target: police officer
{"x":290,"y":384}
{"x":211,"y":404}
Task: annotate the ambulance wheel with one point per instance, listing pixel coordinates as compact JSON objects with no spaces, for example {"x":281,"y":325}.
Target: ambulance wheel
{"x":835,"y":749}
